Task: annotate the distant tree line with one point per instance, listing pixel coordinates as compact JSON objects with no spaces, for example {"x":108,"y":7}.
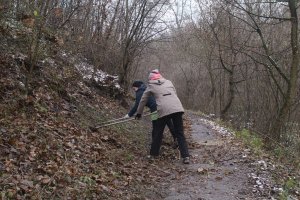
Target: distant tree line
{"x":238,"y":60}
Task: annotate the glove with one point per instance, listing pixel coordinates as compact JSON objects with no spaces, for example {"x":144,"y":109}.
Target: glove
{"x":138,"y":116}
{"x":126,"y":116}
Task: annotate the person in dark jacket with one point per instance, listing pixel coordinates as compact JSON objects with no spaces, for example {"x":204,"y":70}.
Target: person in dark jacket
{"x":139,"y":87}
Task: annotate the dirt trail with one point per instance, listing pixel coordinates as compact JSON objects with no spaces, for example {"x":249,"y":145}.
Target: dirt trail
{"x":219,"y":169}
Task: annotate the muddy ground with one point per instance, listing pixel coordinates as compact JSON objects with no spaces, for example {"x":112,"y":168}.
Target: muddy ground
{"x":221,"y":168}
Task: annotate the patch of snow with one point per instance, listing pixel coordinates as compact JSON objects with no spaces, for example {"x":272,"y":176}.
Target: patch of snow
{"x":100,"y":76}
{"x":50,"y":61}
{"x":223,"y":131}
{"x":249,"y":124}
{"x":19,"y":56}
{"x":81,"y":65}
{"x":64,"y":54}
{"x":260,"y":183}
{"x":277,"y":189}
{"x":21,"y":84}
{"x":117,"y":86}
{"x":262,"y":163}
{"x":12,"y":23}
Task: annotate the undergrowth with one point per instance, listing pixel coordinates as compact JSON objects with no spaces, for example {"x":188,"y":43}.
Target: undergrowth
{"x":285,"y":158}
{"x":288,"y":188}
{"x":251,"y":140}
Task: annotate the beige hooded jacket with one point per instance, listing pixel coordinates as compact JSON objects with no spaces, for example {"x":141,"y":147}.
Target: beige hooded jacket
{"x":165,"y":95}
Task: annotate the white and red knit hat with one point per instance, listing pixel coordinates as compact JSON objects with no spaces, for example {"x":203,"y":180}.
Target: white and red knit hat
{"x":154,"y":75}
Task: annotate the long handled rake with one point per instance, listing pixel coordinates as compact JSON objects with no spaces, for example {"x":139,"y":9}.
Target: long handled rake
{"x":112,"y":121}
{"x":115,"y":121}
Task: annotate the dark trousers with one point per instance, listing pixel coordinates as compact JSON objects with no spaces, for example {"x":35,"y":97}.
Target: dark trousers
{"x":171,"y":128}
{"x":158,"y":130}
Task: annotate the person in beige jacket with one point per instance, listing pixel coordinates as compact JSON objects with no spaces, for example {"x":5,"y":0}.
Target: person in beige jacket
{"x":168,"y":107}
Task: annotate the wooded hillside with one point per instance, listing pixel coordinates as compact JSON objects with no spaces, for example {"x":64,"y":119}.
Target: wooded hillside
{"x":237,"y":61}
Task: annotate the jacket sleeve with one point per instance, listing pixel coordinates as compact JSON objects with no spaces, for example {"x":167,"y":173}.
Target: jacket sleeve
{"x":143,"y":100}
{"x":138,"y":97}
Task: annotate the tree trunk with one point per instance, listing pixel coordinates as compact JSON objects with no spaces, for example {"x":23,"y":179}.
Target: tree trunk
{"x":292,"y":84}
{"x":231,"y":95}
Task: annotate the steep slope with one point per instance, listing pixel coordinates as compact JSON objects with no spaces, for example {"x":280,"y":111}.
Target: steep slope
{"x":47,"y":149}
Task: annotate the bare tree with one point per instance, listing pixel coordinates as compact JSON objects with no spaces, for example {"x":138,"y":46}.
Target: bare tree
{"x":288,"y":90}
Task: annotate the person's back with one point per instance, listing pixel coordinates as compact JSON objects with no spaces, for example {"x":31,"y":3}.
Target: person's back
{"x":169,"y":107}
{"x":165,"y":95}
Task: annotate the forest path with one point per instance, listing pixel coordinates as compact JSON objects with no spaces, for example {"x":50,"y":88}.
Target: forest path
{"x":220,"y":169}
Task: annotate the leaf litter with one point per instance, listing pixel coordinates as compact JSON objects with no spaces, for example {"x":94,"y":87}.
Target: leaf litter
{"x":47,"y":150}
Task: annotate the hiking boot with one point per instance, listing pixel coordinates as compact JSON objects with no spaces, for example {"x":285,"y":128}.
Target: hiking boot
{"x":186,"y":160}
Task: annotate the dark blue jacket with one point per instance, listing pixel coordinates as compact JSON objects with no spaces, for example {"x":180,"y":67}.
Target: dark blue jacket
{"x":151,"y":103}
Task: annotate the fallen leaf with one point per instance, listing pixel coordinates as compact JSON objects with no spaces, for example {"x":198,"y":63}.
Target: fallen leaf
{"x":201,"y":170}
{"x":227,"y":172}
{"x":46,"y":180}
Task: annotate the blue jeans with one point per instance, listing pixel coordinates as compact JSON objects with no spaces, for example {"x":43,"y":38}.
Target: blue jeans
{"x":158,"y":130}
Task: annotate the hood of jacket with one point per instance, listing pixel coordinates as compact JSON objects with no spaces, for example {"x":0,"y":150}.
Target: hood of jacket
{"x":158,"y":81}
